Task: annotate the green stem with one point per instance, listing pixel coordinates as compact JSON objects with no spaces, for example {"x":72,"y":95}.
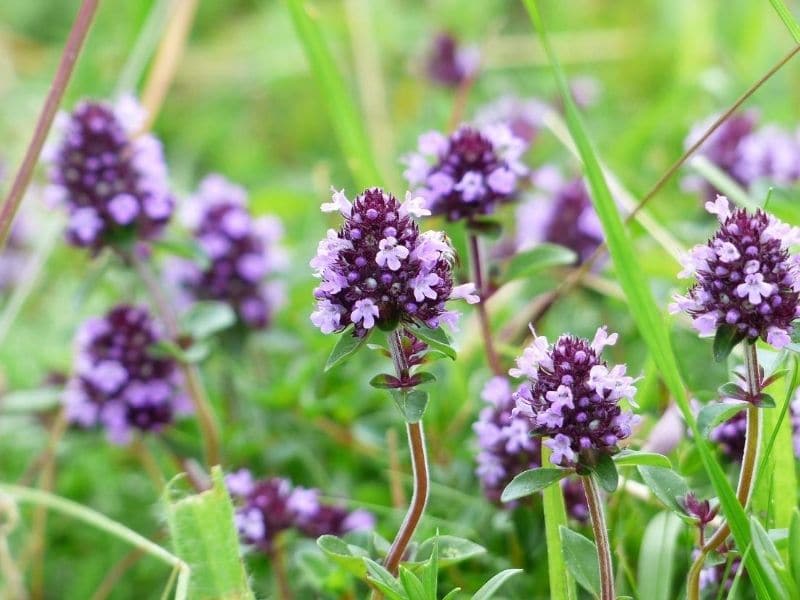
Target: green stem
{"x":600,"y":537}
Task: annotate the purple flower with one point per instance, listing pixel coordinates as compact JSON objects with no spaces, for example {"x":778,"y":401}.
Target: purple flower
{"x":745,"y":277}
{"x":267,"y":507}
{"x":242,"y":252}
{"x":572,"y":397}
{"x":468,"y":173}
{"x":117,"y":383}
{"x":112,"y":180}
{"x":378,"y":269}
{"x":523,"y":116}
{"x":450,"y":65}
{"x":711,"y":578}
{"x":506,"y":448}
{"x":561,"y":214}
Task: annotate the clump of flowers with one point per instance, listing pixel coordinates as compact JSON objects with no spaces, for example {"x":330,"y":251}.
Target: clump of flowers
{"x":242,"y":253}
{"x":560,"y":213}
{"x":117,"y":383}
{"x":379,"y":270}
{"x":265,"y":508}
{"x":746,"y":153}
{"x":450,"y":64}
{"x":523,"y":116}
{"x":746,"y":278}
{"x":507,"y":448}
{"x":573,"y":398}
{"x":467,"y":174}
{"x":112,"y":179}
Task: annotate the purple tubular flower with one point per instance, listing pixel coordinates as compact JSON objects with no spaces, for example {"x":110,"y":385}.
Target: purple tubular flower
{"x":572,"y":397}
{"x":711,"y":578}
{"x":450,"y":65}
{"x":467,"y":174}
{"x":507,"y":449}
{"x":117,"y":384}
{"x":523,"y":116}
{"x":378,"y":269}
{"x":267,"y":507}
{"x":242,"y":252}
{"x":562,"y":215}
{"x":113,"y":182}
{"x":745,"y":277}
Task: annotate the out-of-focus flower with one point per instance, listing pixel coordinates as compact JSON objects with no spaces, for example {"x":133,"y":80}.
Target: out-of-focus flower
{"x":265,"y":508}
{"x":745,"y":277}
{"x":711,"y":577}
{"x":468,"y":173}
{"x":112,"y":181}
{"x":242,"y":252}
{"x":379,"y":270}
{"x":523,"y":116}
{"x":573,"y":398}
{"x":506,"y":448}
{"x":117,"y":383}
{"x":15,"y":254}
{"x":699,"y":509}
{"x":450,"y":64}
{"x":560,"y":212}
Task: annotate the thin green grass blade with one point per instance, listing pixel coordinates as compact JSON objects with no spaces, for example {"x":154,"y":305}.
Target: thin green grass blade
{"x":342,"y":110}
{"x":562,"y":586}
{"x":643,"y":307}
{"x":787,"y":18}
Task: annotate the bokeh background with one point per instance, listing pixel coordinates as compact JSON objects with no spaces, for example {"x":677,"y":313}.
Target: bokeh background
{"x":243,"y":103}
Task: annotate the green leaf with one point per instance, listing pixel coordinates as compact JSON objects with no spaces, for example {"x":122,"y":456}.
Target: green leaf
{"x":643,"y":308}
{"x":712,"y":415}
{"x":382,"y":579}
{"x":344,"y":116}
{"x":430,"y":575}
{"x":580,"y":555}
{"x":725,"y":340}
{"x":411,"y":404}
{"x":452,"y":594}
{"x":207,"y":318}
{"x":537,"y":259}
{"x":384,"y":381}
{"x":495,"y":583}
{"x":435,"y":338}
{"x":562,"y":586}
{"x":657,"y":557}
{"x":347,"y":556}
{"x":421,"y":377}
{"x":768,"y":556}
{"x":628,"y":458}
{"x":667,"y":485}
{"x":347,"y":345}
{"x":531,"y":481}
{"x":412,"y":585}
{"x":786,"y":16}
{"x":606,"y":473}
{"x":794,"y":545}
{"x":451,"y":550}
{"x":732,"y":390}
{"x":766,"y":401}
{"x":202,"y":530}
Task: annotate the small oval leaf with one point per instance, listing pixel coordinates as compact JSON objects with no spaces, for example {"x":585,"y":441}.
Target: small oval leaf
{"x":347,"y":345}
{"x":531,"y":481}
{"x":580,"y":556}
{"x":435,"y":338}
{"x":628,"y":458}
{"x":712,"y":415}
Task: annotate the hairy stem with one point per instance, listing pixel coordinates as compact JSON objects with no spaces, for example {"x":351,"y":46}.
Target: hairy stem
{"x":600,"y":537}
{"x":191,"y":375}
{"x":746,"y":474}
{"x":483,"y":315}
{"x":419,"y":464}
{"x":80,"y":28}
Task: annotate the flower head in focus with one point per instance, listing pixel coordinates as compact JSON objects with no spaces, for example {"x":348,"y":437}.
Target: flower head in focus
{"x":117,"y":383}
{"x":465,"y":175}
{"x":573,"y":398}
{"x":378,"y":269}
{"x":746,"y":278}
{"x":242,"y":253}
{"x":111,"y":178}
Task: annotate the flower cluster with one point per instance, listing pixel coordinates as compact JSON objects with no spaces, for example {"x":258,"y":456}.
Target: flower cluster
{"x":378,"y":269}
{"x":523,"y":116}
{"x":265,"y":508}
{"x":560,"y":213}
{"x":112,"y":180}
{"x":242,"y":252}
{"x":573,"y":398}
{"x":747,"y":153}
{"x":450,"y":65}
{"x":117,"y":383}
{"x":507,"y":448}
{"x":746,"y":278}
{"x":468,"y":173}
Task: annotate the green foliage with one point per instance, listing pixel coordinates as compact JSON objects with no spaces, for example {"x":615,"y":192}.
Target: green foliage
{"x":543,"y":256}
{"x":532,"y":481}
{"x":658,"y":557}
{"x":580,"y":556}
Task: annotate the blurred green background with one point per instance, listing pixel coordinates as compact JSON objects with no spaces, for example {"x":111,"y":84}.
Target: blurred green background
{"x":243,"y":104}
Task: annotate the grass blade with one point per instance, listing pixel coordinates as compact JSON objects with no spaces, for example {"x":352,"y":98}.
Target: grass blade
{"x":643,"y":307}
{"x":787,"y":18}
{"x":562,"y":587}
{"x":657,"y":557}
{"x":342,"y":111}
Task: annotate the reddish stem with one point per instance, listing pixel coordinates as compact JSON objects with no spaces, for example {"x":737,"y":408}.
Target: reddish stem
{"x":483,"y":315}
